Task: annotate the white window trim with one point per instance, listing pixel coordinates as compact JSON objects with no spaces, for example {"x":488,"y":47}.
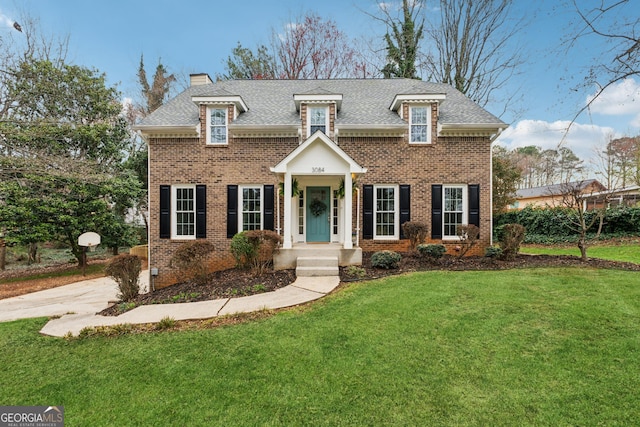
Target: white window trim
{"x":174,"y":212}
{"x":396,"y":213}
{"x":326,"y":117}
{"x":465,"y":208}
{"x":226,"y":127}
{"x":241,"y":189}
{"x":429,"y":124}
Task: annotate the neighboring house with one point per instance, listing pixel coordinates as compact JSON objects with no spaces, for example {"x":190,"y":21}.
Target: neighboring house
{"x":628,"y":196}
{"x":552,"y":195}
{"x":411,"y":150}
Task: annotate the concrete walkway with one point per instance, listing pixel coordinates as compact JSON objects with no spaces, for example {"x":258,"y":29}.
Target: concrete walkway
{"x":77,"y":304}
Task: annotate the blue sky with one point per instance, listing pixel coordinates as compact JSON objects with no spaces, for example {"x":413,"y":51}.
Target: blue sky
{"x":194,"y":36}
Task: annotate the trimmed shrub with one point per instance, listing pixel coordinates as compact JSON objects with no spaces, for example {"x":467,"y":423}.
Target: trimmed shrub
{"x":125,"y":270}
{"x":433,"y":252}
{"x":191,"y":260}
{"x":416,"y":232}
{"x":265,"y":244}
{"x":385,"y":259}
{"x":243,"y":251}
{"x":511,"y":236}
{"x":255,"y":249}
{"x":493,"y":252}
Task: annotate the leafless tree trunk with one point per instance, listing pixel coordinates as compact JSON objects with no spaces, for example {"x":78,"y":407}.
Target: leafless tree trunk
{"x":473,"y":47}
{"x":573,"y":198}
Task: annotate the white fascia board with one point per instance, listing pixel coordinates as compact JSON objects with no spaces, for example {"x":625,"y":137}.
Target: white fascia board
{"x":318,"y":99}
{"x":471,"y":128}
{"x":166,"y":130}
{"x":221,"y":100}
{"x":346,"y":126}
{"x":418,"y":98}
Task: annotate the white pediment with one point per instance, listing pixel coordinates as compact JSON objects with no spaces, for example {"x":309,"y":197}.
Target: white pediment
{"x":318,"y":155}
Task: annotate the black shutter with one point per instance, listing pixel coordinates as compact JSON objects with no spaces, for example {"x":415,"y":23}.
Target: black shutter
{"x":267,"y":220}
{"x":436,"y":211}
{"x":201,"y":211}
{"x":405,"y":206}
{"x":165,"y":211}
{"x":232,"y":210}
{"x":367,"y":211}
{"x":474,"y":204}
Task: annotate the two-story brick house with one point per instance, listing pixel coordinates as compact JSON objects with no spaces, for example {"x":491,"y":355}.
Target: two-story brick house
{"x":280,"y":154}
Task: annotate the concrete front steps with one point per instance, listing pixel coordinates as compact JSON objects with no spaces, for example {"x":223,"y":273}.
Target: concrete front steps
{"x":317,"y":266}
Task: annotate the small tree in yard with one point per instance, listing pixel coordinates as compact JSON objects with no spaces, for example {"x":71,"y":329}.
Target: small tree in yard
{"x":125,"y":270}
{"x":468,"y":235}
{"x":581,"y":221}
{"x":511,"y":236}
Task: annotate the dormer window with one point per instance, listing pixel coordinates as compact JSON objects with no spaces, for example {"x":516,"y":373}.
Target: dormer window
{"x":419,"y":110}
{"x":217,"y":126}
{"x":420,"y":124}
{"x":318,"y":120}
{"x":217,"y":111}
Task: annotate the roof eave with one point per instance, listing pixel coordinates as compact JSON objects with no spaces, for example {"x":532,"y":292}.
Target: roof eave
{"x":150,"y":130}
{"x":417,"y":98}
{"x":470,"y":129}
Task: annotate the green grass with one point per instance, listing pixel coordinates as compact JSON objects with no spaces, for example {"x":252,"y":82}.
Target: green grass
{"x":543,"y":347}
{"x":629,"y":253}
{"x":90,"y":269}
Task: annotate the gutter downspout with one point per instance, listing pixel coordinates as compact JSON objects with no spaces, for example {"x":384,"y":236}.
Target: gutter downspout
{"x":357,"y":243}
{"x":491,"y":141}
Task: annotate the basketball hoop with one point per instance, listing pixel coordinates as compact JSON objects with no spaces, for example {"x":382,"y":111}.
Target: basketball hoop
{"x":87,"y":241}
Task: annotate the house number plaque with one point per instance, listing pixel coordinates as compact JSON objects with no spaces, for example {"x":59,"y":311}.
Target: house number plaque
{"x":317,"y":169}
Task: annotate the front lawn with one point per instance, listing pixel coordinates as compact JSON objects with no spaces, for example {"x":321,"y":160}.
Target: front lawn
{"x":624,"y":252}
{"x":521,"y":347}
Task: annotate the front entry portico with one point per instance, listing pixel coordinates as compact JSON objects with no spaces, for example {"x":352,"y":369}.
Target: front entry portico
{"x":321,"y":209}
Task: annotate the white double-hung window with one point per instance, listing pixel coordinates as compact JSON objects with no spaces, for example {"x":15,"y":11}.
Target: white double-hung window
{"x":318,"y":120}
{"x":454,"y":209}
{"x":184,"y":219}
{"x":217,"y":126}
{"x":386,"y":212}
{"x":251,"y":208}
{"x":420,"y":124}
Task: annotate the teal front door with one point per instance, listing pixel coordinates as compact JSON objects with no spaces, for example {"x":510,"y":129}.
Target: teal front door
{"x":318,"y":214}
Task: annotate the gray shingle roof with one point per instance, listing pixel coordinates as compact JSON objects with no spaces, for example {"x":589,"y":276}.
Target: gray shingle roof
{"x":554,"y":189}
{"x":364,"y":101}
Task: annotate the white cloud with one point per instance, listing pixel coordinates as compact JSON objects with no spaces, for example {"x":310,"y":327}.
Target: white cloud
{"x":619,"y":99}
{"x":583,"y":139}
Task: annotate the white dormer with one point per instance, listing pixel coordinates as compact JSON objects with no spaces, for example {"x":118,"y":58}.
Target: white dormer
{"x":217,"y":110}
{"x":420,"y":110}
{"x":318,"y":109}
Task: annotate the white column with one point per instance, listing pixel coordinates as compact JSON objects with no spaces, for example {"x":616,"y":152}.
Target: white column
{"x":286,"y":233}
{"x":348,"y":210}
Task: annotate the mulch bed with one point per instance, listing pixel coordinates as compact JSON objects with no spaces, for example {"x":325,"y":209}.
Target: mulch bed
{"x":236,"y":283}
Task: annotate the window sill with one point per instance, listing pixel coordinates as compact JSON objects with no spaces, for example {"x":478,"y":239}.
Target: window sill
{"x":182,"y":238}
{"x":217,"y":144}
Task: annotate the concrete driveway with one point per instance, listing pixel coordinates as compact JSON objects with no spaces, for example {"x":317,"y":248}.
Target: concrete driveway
{"x":88,"y":296}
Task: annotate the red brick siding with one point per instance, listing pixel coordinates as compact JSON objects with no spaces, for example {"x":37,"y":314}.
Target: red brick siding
{"x":452,"y":160}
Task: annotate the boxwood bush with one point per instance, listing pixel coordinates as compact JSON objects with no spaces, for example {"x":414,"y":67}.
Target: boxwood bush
{"x":385,"y":259}
{"x":433,"y":251}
